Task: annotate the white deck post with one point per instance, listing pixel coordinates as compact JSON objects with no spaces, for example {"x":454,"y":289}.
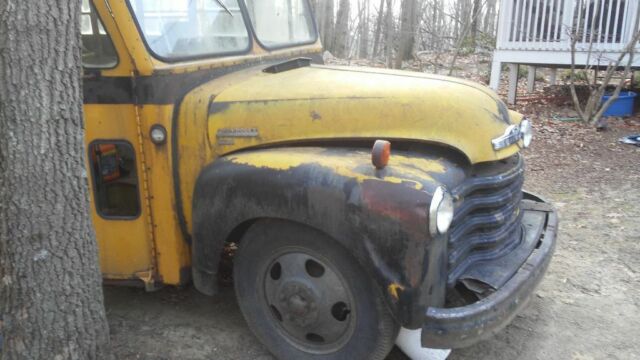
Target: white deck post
{"x":513,"y":83}
{"x":531,"y":79}
{"x":496,"y":69}
{"x":553,"y":77}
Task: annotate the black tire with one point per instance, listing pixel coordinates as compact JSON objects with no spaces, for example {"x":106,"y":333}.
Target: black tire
{"x":364,"y":329}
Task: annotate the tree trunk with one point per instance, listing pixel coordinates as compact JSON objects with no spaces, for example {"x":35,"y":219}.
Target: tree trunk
{"x":435,"y":27}
{"x":364,"y":30}
{"x":457,"y":18}
{"x":407,"y":32}
{"x":378,"y":31}
{"x":325,"y":20}
{"x":477,"y":9}
{"x":342,"y":30}
{"x":389,"y":32}
{"x":489,"y":22}
{"x":51,"y":302}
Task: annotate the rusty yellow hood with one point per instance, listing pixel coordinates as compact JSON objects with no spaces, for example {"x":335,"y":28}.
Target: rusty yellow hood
{"x":322,"y":102}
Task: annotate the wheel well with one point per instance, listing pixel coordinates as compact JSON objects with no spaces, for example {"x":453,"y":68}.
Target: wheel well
{"x":227,"y":253}
{"x":238,"y":232}
{"x":236,"y":235}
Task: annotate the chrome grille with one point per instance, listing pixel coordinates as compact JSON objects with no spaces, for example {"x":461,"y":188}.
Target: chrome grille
{"x":487,"y":219}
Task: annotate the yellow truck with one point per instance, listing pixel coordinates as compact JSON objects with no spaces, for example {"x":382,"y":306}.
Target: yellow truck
{"x":363,"y":200}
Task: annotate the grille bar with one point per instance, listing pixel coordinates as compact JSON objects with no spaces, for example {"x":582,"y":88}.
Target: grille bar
{"x":490,"y":182}
{"x":499,"y":198}
{"x":487,"y":219}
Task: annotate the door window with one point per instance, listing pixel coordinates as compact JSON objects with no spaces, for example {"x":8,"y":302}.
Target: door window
{"x":115,"y":179}
{"x":97,"y":48}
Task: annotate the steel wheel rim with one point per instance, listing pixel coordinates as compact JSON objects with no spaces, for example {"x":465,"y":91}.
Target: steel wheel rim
{"x":308,"y":300}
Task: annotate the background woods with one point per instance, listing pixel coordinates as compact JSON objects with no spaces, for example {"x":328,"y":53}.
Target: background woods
{"x":393,"y":31}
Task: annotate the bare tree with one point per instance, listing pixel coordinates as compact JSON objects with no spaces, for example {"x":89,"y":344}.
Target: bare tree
{"x":363,"y":14}
{"x":389,"y":30}
{"x":489,"y":23}
{"x":406,"y":36}
{"x":341,"y":42}
{"x":477,"y":11}
{"x":463,"y":35}
{"x":421,"y":26}
{"x":378,"y":31}
{"x":51,"y":302}
{"x":324,"y":12}
{"x":593,"y":109}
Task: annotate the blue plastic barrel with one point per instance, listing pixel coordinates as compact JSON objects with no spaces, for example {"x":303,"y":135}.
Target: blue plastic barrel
{"x":622,"y":106}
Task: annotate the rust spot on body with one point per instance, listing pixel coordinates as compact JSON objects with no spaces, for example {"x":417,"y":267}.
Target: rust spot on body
{"x":315,"y":116}
{"x":393,"y":290}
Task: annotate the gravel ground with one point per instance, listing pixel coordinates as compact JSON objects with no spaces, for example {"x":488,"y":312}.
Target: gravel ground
{"x":587,"y":307}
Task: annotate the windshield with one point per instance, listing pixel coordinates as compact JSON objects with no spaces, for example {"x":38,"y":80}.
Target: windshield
{"x":281,"y":22}
{"x":179,"y":29}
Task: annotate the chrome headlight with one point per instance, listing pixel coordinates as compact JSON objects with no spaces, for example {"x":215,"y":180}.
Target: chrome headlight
{"x":526,"y":132}
{"x":440,"y":212}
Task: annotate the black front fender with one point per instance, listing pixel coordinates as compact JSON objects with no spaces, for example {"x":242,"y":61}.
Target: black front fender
{"x":380,"y":216}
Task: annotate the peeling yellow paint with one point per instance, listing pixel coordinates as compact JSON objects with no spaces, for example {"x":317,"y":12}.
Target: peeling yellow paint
{"x":393,"y":290}
{"x":352,"y":164}
{"x":426,"y":165}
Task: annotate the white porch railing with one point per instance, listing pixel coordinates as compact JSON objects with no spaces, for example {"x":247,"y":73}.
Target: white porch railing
{"x":600,"y":25}
{"x":538,"y":33}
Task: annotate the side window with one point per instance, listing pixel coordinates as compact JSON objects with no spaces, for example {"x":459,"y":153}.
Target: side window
{"x":97,"y":48}
{"x":115,"y":179}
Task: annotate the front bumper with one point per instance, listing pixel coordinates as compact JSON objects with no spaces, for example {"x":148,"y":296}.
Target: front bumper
{"x":448,"y":328}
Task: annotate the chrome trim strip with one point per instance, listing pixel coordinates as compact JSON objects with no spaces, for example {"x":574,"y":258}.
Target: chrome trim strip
{"x":511,"y":136}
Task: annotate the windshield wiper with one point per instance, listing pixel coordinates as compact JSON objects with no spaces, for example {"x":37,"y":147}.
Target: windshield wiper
{"x":224,"y":7}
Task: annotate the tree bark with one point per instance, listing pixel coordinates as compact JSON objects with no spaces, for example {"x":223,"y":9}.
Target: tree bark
{"x":325,"y":20}
{"x":378,"y":30}
{"x":407,"y":32}
{"x":389,"y":34}
{"x":341,"y":45}
{"x":477,"y":10}
{"x":364,"y":30}
{"x":489,"y":22}
{"x":51,"y":302}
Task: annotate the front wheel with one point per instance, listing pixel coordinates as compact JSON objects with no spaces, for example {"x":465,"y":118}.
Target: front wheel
{"x":305,"y":297}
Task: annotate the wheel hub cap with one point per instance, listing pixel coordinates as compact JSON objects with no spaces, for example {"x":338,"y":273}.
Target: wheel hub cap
{"x":309,"y":301}
{"x":298,"y":303}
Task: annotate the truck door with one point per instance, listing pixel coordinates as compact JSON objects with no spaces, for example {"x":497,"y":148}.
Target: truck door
{"x":121,"y":215}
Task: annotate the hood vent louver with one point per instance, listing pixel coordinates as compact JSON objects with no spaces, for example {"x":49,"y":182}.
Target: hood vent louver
{"x":288,"y":65}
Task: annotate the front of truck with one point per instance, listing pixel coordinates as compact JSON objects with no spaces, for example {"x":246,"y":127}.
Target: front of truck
{"x":444,"y":229}
{"x":450,"y":236}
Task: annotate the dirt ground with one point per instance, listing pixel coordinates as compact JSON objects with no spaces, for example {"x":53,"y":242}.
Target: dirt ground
{"x":587,"y":307}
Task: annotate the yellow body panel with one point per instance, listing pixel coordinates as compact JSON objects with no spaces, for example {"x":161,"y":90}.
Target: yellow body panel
{"x":124,"y":244}
{"x":337,"y":103}
{"x":321,"y":103}
{"x":172,"y":251}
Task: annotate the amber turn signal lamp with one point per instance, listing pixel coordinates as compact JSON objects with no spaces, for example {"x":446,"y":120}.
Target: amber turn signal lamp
{"x":380,"y":153}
